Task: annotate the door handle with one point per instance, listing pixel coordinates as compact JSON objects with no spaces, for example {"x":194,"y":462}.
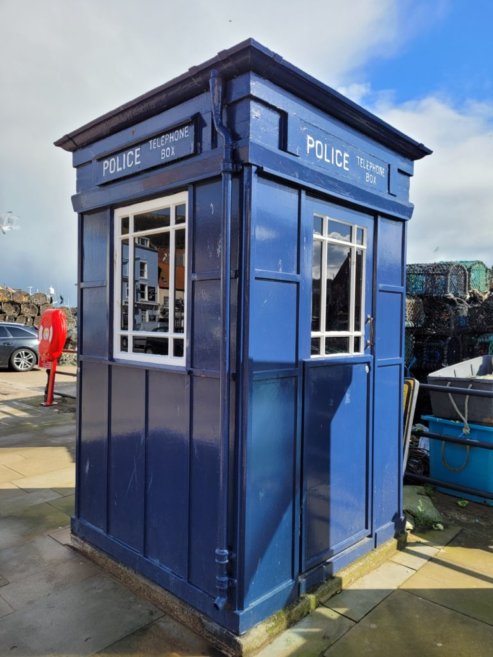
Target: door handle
{"x":371,"y":334}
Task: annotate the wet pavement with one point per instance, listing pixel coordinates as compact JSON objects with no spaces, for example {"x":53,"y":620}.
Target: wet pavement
{"x":433,"y":598}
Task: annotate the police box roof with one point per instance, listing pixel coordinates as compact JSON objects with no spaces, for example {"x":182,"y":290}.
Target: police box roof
{"x":246,"y":56}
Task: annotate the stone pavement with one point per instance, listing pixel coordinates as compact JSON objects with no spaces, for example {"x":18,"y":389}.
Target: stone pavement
{"x":433,"y":598}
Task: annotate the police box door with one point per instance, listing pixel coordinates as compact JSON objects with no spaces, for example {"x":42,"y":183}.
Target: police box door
{"x":337,"y":389}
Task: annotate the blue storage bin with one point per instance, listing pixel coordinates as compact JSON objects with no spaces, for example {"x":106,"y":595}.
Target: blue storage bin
{"x":459,"y":464}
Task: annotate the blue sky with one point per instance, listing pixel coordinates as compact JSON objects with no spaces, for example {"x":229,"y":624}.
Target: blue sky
{"x":425,"y":66}
{"x":450,"y":55}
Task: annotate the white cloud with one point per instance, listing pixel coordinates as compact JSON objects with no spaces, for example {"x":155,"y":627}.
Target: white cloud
{"x":452,"y":188}
{"x":66,"y":62}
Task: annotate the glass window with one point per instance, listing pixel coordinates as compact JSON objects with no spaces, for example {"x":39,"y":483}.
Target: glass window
{"x":18,"y":332}
{"x":338,"y":275}
{"x":150,"y":279}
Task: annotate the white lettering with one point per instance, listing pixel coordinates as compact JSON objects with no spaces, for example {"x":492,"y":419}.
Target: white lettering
{"x":324,"y":151}
{"x":122,"y":161}
{"x":167,"y":152}
{"x":372,"y":167}
{"x":169,"y":138}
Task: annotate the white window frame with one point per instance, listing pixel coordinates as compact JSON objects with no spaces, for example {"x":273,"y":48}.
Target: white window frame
{"x":172,"y":202}
{"x":352,"y":335}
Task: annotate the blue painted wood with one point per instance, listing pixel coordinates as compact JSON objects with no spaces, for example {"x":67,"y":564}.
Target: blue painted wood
{"x":391,"y":255}
{"x":275,"y":235}
{"x":206,"y":339}
{"x":387,"y":465}
{"x":95,"y":321}
{"x":337,"y":412}
{"x":127,"y":459}
{"x":270,"y":488}
{"x":206,"y":243}
{"x":274,"y":305}
{"x":93,"y":437}
{"x":335,"y":458}
{"x":167,"y":471}
{"x":389,"y":372}
{"x":95,"y":246}
{"x":204,"y":471}
{"x":389,"y":312}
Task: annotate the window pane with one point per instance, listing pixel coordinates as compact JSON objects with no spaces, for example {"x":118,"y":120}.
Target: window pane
{"x":151,"y":280}
{"x":150,"y":345}
{"x":339,"y":231}
{"x":360,"y":236}
{"x":315,"y":348}
{"x":358,"y":343}
{"x":152,"y":220}
{"x":146,"y":277}
{"x":358,"y":290}
{"x":124,"y":285}
{"x":337,"y":345}
{"x":180,"y":214}
{"x":179,"y":324}
{"x":316,"y":280}
{"x":163,"y":282}
{"x":338,"y":288}
{"x":317,"y":225}
{"x":18,"y":332}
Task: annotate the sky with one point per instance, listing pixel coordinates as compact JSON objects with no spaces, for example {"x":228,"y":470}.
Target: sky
{"x":424,"y":66}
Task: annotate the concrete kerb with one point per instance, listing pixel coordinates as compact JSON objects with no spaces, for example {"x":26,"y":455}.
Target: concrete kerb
{"x":260,"y":635}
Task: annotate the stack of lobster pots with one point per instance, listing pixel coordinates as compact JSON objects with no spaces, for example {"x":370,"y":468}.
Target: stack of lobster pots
{"x":449,"y":314}
{"x":24,"y":308}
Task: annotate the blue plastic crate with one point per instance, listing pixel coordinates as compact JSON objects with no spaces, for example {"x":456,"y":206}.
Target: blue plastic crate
{"x":458,"y":464}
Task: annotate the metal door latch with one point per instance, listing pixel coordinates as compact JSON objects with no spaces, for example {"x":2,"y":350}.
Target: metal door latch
{"x":370,"y":343}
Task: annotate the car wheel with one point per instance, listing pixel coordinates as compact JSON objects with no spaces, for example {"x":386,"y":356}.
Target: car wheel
{"x":23,"y":360}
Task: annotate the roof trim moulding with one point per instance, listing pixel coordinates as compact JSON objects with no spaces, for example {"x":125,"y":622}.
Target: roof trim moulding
{"x":246,"y":56}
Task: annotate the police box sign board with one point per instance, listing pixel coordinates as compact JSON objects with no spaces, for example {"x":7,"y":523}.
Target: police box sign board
{"x":161,"y":149}
{"x":337,"y":157}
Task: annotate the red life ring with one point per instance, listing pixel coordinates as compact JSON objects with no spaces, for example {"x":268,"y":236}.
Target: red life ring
{"x":52,"y":336}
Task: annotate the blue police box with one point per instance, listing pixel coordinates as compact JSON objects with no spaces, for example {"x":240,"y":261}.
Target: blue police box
{"x":242,"y":236}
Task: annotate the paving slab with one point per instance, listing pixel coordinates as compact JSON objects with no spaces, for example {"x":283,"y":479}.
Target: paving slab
{"x":62,"y":478}
{"x":27,"y":559}
{"x":438,"y":538}
{"x":5,"y":609}
{"x":415,"y":554}
{"x":65,"y":504}
{"x":9,"y":456}
{"x":7,"y":474}
{"x":50,"y":460}
{"x":454,"y":587}
{"x":473,"y":551}
{"x":79,"y":620}
{"x":19,"y":500}
{"x":404,"y":625}
{"x":163,"y":638}
{"x":31,"y":522}
{"x":367,"y":592}
{"x":310,"y":637}
{"x":47,"y":581}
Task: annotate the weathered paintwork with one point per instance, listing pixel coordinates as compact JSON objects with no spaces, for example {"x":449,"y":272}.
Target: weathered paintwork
{"x":307,"y":476}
